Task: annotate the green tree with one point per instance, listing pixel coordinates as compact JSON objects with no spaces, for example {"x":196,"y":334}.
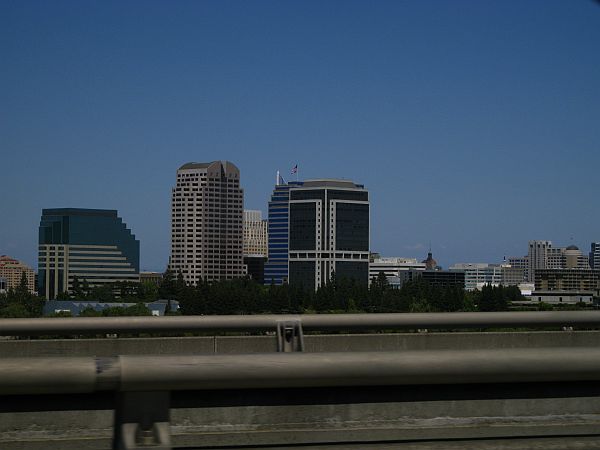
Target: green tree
{"x":77,"y":290}
{"x":166,"y":289}
{"x":102,"y":293}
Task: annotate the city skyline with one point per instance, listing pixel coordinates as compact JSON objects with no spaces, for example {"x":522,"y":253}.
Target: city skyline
{"x":472,"y":127}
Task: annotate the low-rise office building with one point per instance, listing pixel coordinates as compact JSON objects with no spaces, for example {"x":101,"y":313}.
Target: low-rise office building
{"x":444,"y":278}
{"x":151,"y":277}
{"x":567,"y":280}
{"x":12,"y":270}
{"x":396,"y":270}
{"x":562,"y":297}
{"x":74,"y":307}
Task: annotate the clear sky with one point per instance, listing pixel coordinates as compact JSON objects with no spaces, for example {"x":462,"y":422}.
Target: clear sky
{"x":475,"y":124}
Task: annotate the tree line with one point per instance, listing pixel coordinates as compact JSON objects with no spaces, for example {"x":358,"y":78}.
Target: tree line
{"x":245,"y":296}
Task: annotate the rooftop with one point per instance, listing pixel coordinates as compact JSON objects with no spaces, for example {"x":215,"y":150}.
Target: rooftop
{"x":332,"y":182}
{"x":79,"y":212}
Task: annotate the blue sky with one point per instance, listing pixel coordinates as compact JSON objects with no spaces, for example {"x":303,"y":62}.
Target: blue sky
{"x":474,"y":124}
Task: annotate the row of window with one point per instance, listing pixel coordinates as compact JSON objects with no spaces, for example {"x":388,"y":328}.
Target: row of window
{"x":331,"y":255}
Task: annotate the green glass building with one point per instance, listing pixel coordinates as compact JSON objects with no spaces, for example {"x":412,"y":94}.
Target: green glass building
{"x":88,"y":244}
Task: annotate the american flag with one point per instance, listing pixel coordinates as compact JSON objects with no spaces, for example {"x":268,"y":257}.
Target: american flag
{"x":295,"y":169}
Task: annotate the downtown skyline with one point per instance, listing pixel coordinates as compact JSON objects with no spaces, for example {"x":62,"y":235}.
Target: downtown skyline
{"x":473,"y":127}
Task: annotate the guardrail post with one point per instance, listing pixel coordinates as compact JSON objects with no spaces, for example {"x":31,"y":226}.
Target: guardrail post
{"x":142,"y":421}
{"x":289,"y":336}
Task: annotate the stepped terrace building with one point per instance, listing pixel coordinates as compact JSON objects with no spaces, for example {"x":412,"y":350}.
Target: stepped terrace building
{"x":92,"y":245}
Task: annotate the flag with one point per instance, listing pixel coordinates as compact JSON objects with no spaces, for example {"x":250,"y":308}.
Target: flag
{"x":295,"y":169}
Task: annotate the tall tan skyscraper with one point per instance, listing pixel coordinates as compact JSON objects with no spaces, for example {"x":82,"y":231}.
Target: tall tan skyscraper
{"x":255,"y":234}
{"x":206,"y":222}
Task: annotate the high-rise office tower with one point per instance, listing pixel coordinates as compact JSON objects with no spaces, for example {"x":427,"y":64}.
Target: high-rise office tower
{"x":88,"y":244}
{"x":537,"y":257}
{"x":276,"y":268}
{"x":328,"y":232}
{"x":206,"y":222}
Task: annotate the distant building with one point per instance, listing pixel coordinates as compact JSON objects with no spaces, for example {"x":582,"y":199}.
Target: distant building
{"x":542,"y":255}
{"x":255,"y":234}
{"x":444,"y":278}
{"x":12,"y":270}
{"x":276,"y":267}
{"x":3,"y":285}
{"x":91,"y":244}
{"x":73,"y":307}
{"x":328,"y":232}
{"x":513,"y":276}
{"x":151,"y":277}
{"x":206,"y":222}
{"x":479,"y":274}
{"x":518,"y":261}
{"x":562,"y":297}
{"x":573,"y":280}
{"x":430,"y":263}
{"x":594,"y":255}
{"x":537,"y":257}
{"x":396,"y":270}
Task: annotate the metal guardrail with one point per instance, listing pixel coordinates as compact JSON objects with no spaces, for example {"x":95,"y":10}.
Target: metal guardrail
{"x":144,"y":384}
{"x":307,"y":322}
{"x":130,"y":373}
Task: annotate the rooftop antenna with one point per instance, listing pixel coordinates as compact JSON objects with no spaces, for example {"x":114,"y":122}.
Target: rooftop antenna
{"x":277,"y":181}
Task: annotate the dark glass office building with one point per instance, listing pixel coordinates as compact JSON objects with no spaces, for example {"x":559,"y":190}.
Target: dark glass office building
{"x":328,"y":232}
{"x":90,"y":244}
{"x":276,"y":268}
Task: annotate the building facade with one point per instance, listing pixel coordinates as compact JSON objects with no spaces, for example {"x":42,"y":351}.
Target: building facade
{"x":574,"y":280}
{"x":396,"y":270}
{"x":328,"y":232}
{"x":151,"y":277}
{"x":594,"y":256}
{"x":92,"y":245}
{"x":12,"y":270}
{"x":479,"y":274}
{"x":206,"y":222}
{"x":255,"y":234}
{"x":444,"y":278}
{"x":276,"y":268}
{"x":542,"y":255}
{"x":537,"y":257}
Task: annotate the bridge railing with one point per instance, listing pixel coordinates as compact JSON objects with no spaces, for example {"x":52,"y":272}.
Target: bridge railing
{"x":144,"y":386}
{"x":308,"y":322}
